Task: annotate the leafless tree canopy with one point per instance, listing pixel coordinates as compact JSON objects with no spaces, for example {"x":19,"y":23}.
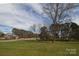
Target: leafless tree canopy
{"x":58,"y":11}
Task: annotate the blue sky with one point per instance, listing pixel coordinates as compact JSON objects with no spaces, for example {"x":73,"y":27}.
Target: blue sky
{"x":23,"y":16}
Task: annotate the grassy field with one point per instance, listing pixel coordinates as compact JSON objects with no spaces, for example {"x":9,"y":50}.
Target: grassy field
{"x":38,"y":48}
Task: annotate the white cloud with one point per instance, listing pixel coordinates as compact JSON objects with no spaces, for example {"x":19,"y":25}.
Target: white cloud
{"x":37,"y":7}
{"x":15,"y":15}
{"x":11,"y":15}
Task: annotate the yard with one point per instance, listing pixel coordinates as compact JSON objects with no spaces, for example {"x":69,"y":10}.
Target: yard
{"x":37,"y":48}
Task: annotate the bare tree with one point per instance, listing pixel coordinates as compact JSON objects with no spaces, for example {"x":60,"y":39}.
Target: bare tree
{"x":33,"y":27}
{"x":39,"y":27}
{"x":58,"y":11}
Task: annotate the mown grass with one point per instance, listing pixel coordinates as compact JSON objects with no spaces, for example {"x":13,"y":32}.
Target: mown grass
{"x":38,"y":48}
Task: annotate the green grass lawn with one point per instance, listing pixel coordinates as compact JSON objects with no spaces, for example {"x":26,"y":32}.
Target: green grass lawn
{"x":38,"y":48}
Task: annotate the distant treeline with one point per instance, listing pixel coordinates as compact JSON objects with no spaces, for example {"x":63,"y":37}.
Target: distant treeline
{"x":17,"y":33}
{"x":64,"y":31}
{"x":23,"y":33}
{"x":56,"y":31}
